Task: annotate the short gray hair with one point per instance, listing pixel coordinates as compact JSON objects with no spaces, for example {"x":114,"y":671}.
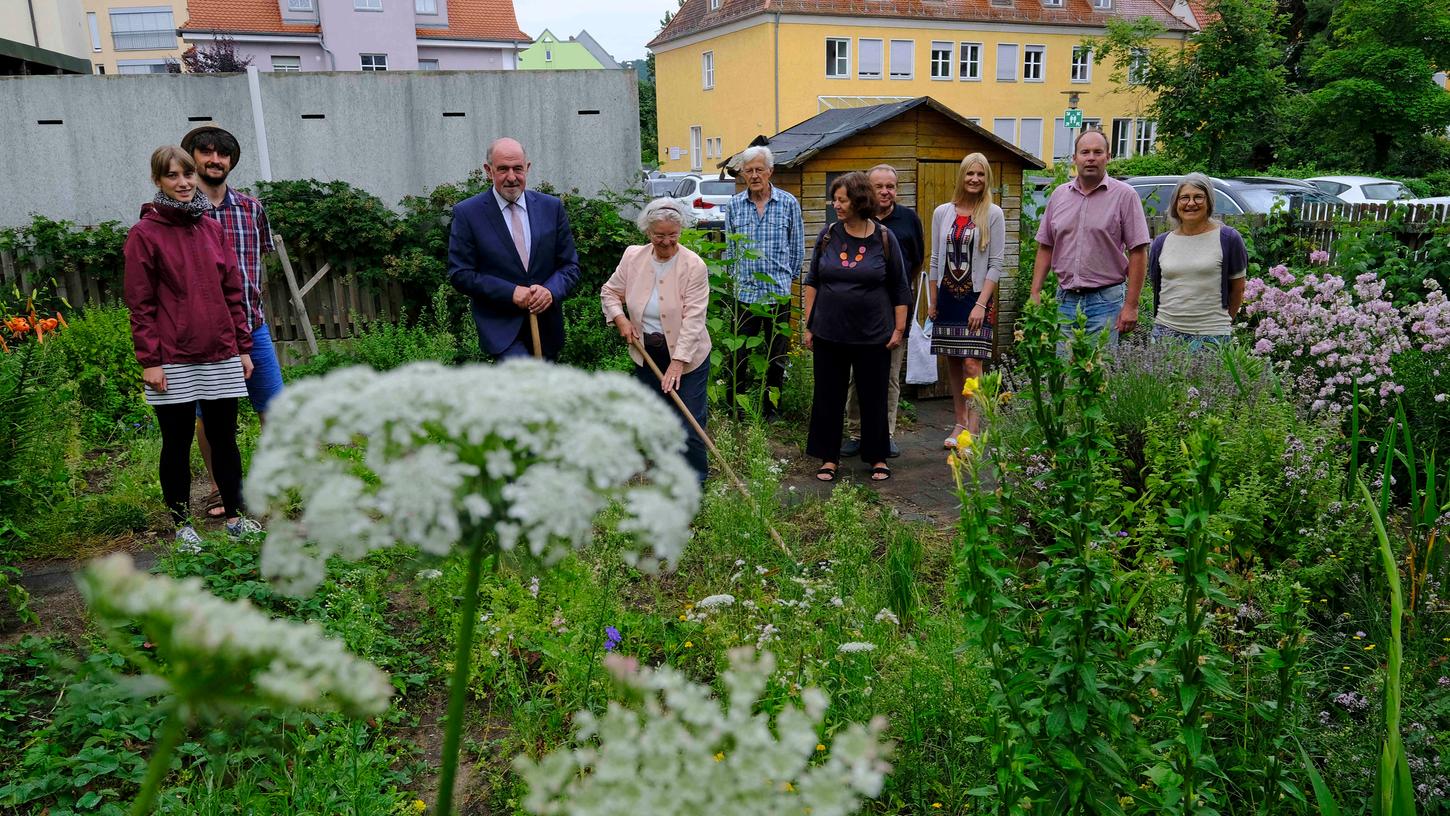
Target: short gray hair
{"x":761,"y":152}
{"x":885,"y":168}
{"x":1197,"y":180}
{"x":664,"y":209}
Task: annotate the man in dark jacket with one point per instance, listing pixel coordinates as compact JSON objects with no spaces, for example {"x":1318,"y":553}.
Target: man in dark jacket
{"x":512,"y":252}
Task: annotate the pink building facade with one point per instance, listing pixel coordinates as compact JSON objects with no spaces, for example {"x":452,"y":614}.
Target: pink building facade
{"x":362,"y":35}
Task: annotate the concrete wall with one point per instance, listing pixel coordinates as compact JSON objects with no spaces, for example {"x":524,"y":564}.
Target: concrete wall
{"x":385,"y":133}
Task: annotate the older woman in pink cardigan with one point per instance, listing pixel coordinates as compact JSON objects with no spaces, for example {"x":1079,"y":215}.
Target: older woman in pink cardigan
{"x":658,"y":295}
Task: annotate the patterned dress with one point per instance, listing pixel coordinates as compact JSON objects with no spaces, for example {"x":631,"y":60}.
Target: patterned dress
{"x":955,"y":300}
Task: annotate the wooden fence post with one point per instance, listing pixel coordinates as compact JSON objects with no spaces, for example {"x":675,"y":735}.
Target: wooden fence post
{"x":295,"y":293}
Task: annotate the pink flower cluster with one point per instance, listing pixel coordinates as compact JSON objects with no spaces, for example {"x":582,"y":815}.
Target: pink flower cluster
{"x":1430,"y":320}
{"x":1329,"y":336}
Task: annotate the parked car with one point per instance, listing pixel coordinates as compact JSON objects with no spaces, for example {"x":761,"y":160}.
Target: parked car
{"x":706,"y":198}
{"x":657,"y":183}
{"x":1233,"y":196}
{"x":1362,"y":189}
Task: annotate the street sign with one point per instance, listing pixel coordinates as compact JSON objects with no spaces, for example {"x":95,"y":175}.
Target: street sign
{"x":1072,"y":118}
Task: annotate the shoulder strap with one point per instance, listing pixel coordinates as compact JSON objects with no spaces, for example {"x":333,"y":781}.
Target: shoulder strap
{"x":885,"y":244}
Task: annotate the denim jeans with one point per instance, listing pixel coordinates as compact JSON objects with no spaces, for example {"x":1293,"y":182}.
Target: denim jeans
{"x":693,"y":392}
{"x":1195,"y":341}
{"x":1101,"y":307}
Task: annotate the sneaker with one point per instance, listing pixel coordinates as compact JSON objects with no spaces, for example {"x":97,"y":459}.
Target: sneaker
{"x":243,"y":527}
{"x":852,"y":446}
{"x":892,"y":450}
{"x":188,"y":540}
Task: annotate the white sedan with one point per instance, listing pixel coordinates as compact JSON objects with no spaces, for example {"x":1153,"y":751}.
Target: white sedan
{"x":1371,"y":190}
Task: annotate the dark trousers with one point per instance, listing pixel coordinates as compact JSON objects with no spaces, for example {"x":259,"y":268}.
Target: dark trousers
{"x":522,"y":346}
{"x":177,"y":421}
{"x":835,"y":363}
{"x":742,"y":378}
{"x":694,"y":392}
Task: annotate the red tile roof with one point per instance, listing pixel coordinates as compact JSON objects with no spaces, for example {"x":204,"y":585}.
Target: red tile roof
{"x":695,"y":16}
{"x":467,"y":20}
{"x":241,"y":16}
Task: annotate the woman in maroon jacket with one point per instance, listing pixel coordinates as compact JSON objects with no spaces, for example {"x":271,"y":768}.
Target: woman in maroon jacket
{"x":190,"y":330}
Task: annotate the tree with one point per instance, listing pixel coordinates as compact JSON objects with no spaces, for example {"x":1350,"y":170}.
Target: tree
{"x":1375,"y":83}
{"x":649,"y":138}
{"x":1213,"y":97}
{"x":218,"y":57}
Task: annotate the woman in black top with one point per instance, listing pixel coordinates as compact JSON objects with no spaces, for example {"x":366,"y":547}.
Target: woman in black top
{"x":856,"y":297}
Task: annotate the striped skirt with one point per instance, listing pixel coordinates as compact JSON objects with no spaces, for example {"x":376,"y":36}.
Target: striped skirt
{"x":189,"y":382}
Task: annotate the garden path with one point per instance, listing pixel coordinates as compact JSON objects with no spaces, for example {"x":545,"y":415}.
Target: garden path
{"x":920,"y":487}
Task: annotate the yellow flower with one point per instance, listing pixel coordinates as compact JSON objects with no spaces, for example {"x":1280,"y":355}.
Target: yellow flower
{"x":1369,"y":648}
{"x":1005,"y":397}
{"x":720,"y":757}
{"x":964,"y":440}
{"x":970,"y":386}
{"x":683,"y":617}
{"x":789,"y":788}
{"x":820,"y":747}
{"x":936,"y":805}
{"x":419,"y":806}
{"x":689,"y":645}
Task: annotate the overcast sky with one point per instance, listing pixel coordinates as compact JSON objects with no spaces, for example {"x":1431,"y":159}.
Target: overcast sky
{"x":621,"y":26}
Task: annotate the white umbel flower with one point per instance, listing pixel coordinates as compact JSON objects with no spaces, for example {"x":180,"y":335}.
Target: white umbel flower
{"x":856,"y":646}
{"x":689,"y":752}
{"x":423,"y":453}
{"x":887,"y":615}
{"x":716,"y":601}
{"x":222,"y":651}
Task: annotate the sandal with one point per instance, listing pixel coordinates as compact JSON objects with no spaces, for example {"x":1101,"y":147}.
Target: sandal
{"x":951,"y":441}
{"x":214,"y":507}
{"x":826,"y":474}
{"x":880,"y":473}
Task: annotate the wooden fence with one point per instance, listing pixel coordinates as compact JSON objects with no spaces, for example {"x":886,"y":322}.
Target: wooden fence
{"x":338,"y":304}
{"x":1320,"y":224}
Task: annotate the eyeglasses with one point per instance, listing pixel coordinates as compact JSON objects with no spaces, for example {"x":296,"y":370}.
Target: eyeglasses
{"x":1195,"y":198}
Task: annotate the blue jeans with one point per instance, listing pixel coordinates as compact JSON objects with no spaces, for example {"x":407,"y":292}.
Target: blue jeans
{"x":693,"y":392}
{"x":1195,"y":341}
{"x":1101,"y":307}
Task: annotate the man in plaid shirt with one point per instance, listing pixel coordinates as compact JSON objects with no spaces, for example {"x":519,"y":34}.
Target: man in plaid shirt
{"x":245,"y":224}
{"x":771,"y":218}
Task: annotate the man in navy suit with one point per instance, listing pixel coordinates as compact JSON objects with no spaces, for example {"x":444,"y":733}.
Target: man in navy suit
{"x":512,"y":252}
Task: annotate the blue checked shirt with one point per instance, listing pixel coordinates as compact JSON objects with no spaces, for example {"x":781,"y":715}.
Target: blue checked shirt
{"x":778,"y":237}
{"x":245,"y":225}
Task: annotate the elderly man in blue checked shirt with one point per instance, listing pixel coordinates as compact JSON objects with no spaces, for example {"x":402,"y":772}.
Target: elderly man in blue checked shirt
{"x":771,"y":218}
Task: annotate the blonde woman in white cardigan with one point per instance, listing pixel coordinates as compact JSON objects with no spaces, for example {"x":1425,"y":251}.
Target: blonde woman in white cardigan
{"x":658,"y":295}
{"x":967,"y":246}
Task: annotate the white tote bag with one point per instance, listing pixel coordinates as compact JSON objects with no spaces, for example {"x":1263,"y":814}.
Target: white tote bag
{"x":920,"y":362}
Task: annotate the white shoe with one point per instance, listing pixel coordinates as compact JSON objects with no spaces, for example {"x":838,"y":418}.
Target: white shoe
{"x":243,"y":527}
{"x":188,"y":540}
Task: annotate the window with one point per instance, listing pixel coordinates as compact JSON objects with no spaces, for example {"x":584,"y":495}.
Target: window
{"x":139,"y":29}
{"x":426,"y":7}
{"x":707,"y":70}
{"x":1147,"y":135}
{"x":1122,"y":143}
{"x":427,"y":65}
{"x":548,"y":55}
{"x":1006,"y":130}
{"x":95,"y":30}
{"x":299,"y":5}
{"x":374,"y":62}
{"x":868,"y":59}
{"x":1006,"y":62}
{"x":838,"y":58}
{"x":1032,"y":58}
{"x":141,"y":67}
{"x":1052,"y":3}
{"x":903,"y":54}
{"x":971,"y":64}
{"x":695,"y":163}
{"x":1031,"y":137}
{"x":100,"y":70}
{"x":714,"y":5}
{"x":941,"y":60}
{"x":1102,"y":5}
{"x":290,"y":64}
{"x":1137,"y":65}
{"x":367,"y":5}
{"x":1082,"y":64}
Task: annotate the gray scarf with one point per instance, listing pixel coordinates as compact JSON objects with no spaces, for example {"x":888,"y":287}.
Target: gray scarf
{"x":196,"y":207}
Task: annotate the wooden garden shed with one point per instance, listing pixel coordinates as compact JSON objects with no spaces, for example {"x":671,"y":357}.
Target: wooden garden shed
{"x":925,"y":141}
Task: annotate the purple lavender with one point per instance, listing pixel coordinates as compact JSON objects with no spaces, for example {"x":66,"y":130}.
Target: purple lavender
{"x":612,"y":638}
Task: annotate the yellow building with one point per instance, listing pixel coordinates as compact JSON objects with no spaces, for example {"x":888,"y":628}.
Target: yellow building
{"x":727,"y":71}
{"x":134,"y":36}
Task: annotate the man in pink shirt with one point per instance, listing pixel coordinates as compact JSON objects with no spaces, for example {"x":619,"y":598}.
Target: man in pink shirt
{"x":1094,"y":234}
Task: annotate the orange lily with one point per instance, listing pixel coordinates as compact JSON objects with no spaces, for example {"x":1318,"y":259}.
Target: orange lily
{"x":61,"y":318}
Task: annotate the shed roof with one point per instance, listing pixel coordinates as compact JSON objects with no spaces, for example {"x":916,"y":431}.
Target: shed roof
{"x":798,"y":143}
